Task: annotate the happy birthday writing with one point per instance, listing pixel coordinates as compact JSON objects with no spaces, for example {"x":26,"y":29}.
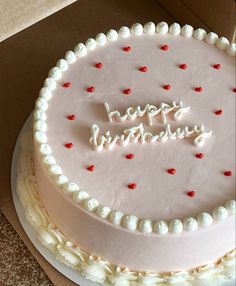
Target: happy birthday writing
{"x":139,"y":134}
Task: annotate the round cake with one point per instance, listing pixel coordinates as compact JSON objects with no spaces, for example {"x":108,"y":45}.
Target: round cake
{"x":134,"y":156}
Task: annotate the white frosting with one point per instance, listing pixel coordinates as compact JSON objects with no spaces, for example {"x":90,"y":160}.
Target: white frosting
{"x":50,"y":83}
{"x":55,"y":73}
{"x":80,"y":50}
{"x":137,"y":29}
{"x":231,"y":206}
{"x":160,"y":227}
{"x":138,"y":134}
{"x":40,"y":137}
{"x":91,"y":204}
{"x":220,"y":213}
{"x":145,"y":225}
{"x":70,"y":57}
{"x":80,"y":196}
{"x":116,"y":217}
{"x":49,"y":160}
{"x":101,"y":39}
{"x":61,"y":180}
{"x":205,"y":219}
{"x":187,"y":31}
{"x":130,"y":222}
{"x":46,"y":237}
{"x":90,"y":44}
{"x":112,"y":35}
{"x":151,"y":111}
{"x":162,"y":28}
{"x":199,"y":34}
{"x":103,"y":212}
{"x":41,"y":104}
{"x":71,"y":187}
{"x":175,"y":29}
{"x":45,"y":93}
{"x":55,"y":170}
{"x":231,"y":50}
{"x":190,"y":224}
{"x":45,"y":149}
{"x":175,"y":226}
{"x":40,"y":115}
{"x":211,"y":38}
{"x":62,"y":65}
{"x":149,"y":28}
{"x":124,"y":32}
{"x":222,"y":43}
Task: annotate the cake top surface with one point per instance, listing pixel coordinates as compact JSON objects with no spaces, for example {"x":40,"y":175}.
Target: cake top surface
{"x":159,"y":83}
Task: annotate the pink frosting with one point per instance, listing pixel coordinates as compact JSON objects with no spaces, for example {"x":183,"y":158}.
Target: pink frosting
{"x":158,"y":195}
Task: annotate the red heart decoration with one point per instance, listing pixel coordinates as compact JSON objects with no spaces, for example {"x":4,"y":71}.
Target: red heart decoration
{"x":90,"y":89}
{"x":127,"y":49}
{"x":130,"y":156}
{"x":71,"y":117}
{"x":91,"y":168}
{"x":67,"y":84}
{"x":191,"y":194}
{"x":164,"y":47}
{"x":69,"y":145}
{"x":132,"y":186}
{"x":143,"y":69}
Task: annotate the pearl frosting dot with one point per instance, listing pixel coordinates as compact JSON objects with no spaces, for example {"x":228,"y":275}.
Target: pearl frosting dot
{"x":130,"y":222}
{"x":187,"y":31}
{"x":149,"y":28}
{"x":190,"y":224}
{"x":90,"y":44}
{"x":145,"y":225}
{"x":222,"y":43}
{"x":101,"y":39}
{"x":70,"y":57}
{"x":162,"y":28}
{"x":220,"y":213}
{"x":124,"y":32}
{"x":112,"y":35}
{"x":80,"y":196}
{"x":160,"y":227}
{"x":116,"y":217}
{"x":199,"y":34}
{"x":176,"y":226}
{"x":137,"y":29}
{"x":80,"y":50}
{"x":175,"y":29}
{"x":231,"y":206}
{"x":211,"y":38}
{"x":204,"y":219}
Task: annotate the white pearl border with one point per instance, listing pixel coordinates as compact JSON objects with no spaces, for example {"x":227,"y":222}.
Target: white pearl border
{"x":130,"y":222}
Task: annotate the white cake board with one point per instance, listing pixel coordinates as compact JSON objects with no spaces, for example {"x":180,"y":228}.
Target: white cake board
{"x":31,"y":232}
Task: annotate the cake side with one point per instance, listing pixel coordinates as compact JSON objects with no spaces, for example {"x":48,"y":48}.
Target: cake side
{"x":93,"y":267}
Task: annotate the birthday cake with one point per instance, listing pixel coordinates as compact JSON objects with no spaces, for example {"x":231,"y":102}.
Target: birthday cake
{"x":134,"y":157}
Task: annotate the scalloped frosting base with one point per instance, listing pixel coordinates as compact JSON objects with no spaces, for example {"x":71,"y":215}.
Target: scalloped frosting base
{"x":95,"y":268}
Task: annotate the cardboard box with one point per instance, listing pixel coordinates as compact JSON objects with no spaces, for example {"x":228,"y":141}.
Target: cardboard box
{"x":213,"y":15}
{"x":26,"y":58}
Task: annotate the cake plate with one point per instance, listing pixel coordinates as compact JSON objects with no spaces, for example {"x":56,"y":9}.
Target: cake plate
{"x":70,"y":273}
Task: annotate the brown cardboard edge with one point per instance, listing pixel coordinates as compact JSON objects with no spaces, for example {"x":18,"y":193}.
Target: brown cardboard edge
{"x":182,"y":12}
{"x":178,"y":10}
{"x":55,"y":276}
{"x":16,"y":21}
